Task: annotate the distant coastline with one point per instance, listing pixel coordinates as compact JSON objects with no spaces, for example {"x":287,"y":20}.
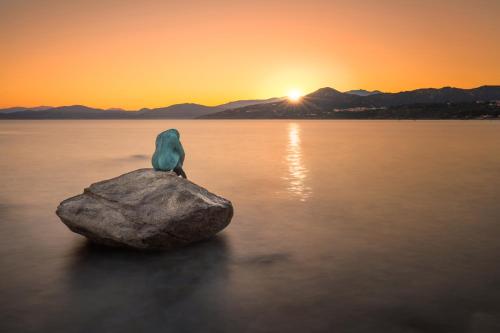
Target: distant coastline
{"x":325,"y":103}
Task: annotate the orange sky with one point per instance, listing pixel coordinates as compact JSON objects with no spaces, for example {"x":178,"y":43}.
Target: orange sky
{"x":148,"y":53}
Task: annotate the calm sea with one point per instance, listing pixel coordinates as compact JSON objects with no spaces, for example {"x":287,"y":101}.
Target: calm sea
{"x":339,"y":226}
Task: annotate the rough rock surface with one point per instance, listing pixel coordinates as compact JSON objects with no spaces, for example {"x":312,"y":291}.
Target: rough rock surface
{"x":146,"y":209}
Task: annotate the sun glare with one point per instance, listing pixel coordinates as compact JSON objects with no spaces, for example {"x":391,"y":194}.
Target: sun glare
{"x":294,"y":95}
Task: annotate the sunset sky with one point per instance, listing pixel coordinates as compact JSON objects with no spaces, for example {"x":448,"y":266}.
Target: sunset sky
{"x":134,"y":54}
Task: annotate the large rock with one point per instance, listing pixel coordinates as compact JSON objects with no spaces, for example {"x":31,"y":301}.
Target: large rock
{"x":146,"y":209}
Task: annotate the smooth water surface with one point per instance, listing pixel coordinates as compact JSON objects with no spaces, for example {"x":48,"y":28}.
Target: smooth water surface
{"x":339,"y":226}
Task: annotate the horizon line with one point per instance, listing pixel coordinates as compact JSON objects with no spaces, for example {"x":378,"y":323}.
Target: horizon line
{"x":241,"y":99}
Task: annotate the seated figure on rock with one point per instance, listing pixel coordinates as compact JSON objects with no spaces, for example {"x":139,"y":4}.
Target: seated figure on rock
{"x":169,"y":154}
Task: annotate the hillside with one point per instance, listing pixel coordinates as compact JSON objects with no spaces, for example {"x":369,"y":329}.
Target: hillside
{"x":328,"y":103}
{"x":176,"y":111}
{"x":324,"y":103}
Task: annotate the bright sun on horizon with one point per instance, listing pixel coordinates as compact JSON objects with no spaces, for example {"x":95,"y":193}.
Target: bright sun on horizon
{"x":294,"y":95}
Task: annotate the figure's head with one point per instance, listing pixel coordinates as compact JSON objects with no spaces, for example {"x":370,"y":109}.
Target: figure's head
{"x":167,"y":135}
{"x":172,"y":131}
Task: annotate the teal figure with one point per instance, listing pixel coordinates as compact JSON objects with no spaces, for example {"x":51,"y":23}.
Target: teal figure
{"x":169,"y":154}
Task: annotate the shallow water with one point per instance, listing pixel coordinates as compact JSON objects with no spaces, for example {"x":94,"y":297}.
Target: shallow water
{"x":339,"y":226}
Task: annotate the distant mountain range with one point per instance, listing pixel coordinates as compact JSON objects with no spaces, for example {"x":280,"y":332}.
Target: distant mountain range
{"x":328,"y":103}
{"x":191,"y":110}
{"x":20,"y":108}
{"x":324,"y":103}
{"x":362,"y":92}
{"x":176,"y":111}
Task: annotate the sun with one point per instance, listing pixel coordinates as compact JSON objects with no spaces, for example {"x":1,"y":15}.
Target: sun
{"x":294,"y":95}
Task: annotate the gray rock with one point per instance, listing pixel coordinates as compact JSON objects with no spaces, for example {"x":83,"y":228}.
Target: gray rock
{"x":146,"y":209}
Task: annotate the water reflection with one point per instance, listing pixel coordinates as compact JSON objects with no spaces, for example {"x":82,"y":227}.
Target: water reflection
{"x":160,"y":286}
{"x":297,"y":172}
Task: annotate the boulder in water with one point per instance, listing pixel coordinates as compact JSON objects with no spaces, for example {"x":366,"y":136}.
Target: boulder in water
{"x":146,"y":209}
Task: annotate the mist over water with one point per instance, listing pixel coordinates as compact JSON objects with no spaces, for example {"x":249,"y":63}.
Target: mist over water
{"x":339,"y":226}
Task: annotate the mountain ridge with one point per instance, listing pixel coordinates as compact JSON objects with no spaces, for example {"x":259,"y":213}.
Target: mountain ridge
{"x":77,"y":111}
{"x":363,"y":92}
{"x":326,"y":103}
{"x":323,"y":103}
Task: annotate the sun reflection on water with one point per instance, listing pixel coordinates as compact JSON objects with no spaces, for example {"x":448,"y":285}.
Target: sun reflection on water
{"x":297,"y":172}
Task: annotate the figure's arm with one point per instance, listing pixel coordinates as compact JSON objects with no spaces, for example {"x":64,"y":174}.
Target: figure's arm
{"x":181,"y":171}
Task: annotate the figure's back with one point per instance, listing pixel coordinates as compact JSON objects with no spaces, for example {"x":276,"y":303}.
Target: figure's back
{"x":169,"y":153}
